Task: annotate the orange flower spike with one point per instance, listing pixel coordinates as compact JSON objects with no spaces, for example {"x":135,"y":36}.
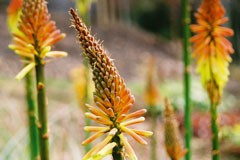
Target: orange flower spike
{"x":151,"y":93}
{"x":211,"y":48}
{"x":111,"y":96}
{"x":14,"y":6}
{"x":14,"y":11}
{"x":171,"y":134}
{"x":36,"y":34}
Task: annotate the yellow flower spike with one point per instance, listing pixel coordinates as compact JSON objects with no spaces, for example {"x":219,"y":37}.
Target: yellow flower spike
{"x":111,"y":96}
{"x":171,"y":134}
{"x":151,"y":93}
{"x":14,"y":11}
{"x":78,"y":76}
{"x":211,"y":49}
{"x":36,"y":32}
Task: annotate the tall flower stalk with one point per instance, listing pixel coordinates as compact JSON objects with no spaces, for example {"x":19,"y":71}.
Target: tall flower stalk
{"x":112,"y":98}
{"x":212,"y":51}
{"x":37,"y":33}
{"x":83,"y":87}
{"x":171,"y":134}
{"x":84,"y":9}
{"x":152,"y":99}
{"x":14,"y":11}
{"x":187,"y":79}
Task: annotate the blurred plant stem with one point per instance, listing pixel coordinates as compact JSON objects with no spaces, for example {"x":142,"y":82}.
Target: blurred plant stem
{"x":42,"y":109}
{"x":154,"y":117}
{"x":186,"y":58}
{"x":84,"y":7}
{"x":214,"y":126}
{"x":84,"y":10}
{"x":32,"y":116}
{"x":87,"y":101}
{"x":234,"y":13}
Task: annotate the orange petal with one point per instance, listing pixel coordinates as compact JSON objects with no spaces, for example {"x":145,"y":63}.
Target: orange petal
{"x":98,"y":119}
{"x":143,"y":133}
{"x":134,"y":114}
{"x":92,"y":138}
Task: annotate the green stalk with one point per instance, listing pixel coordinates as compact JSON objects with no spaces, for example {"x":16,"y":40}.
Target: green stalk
{"x":87,"y":121}
{"x":87,"y":134}
{"x":186,"y":58}
{"x":154,"y":136}
{"x":32,"y":116}
{"x":87,"y":100}
{"x":42,"y":109}
{"x":117,"y":151}
{"x":84,"y":15}
{"x":214,"y":127}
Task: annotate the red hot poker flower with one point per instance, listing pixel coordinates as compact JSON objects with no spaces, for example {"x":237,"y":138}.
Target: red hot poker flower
{"x":211,"y":48}
{"x":37,"y":33}
{"x":111,"y":96}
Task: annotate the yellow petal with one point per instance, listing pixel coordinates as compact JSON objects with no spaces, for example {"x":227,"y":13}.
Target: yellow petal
{"x":100,"y":145}
{"x":25,"y":70}
{"x":96,"y":111}
{"x":133,"y":121}
{"x":95,"y":128}
{"x":98,"y":119}
{"x":128,"y":148}
{"x":143,"y":133}
{"x":134,"y":135}
{"x":104,"y":152}
{"x":56,"y":54}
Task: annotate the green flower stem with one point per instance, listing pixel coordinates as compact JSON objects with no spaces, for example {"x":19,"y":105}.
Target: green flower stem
{"x":86,"y":14}
{"x":214,"y":127}
{"x":154,"y":137}
{"x":87,"y":134}
{"x":32,"y":116}
{"x":117,"y":151}
{"x":186,"y":59}
{"x":87,"y":100}
{"x":42,"y":110}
